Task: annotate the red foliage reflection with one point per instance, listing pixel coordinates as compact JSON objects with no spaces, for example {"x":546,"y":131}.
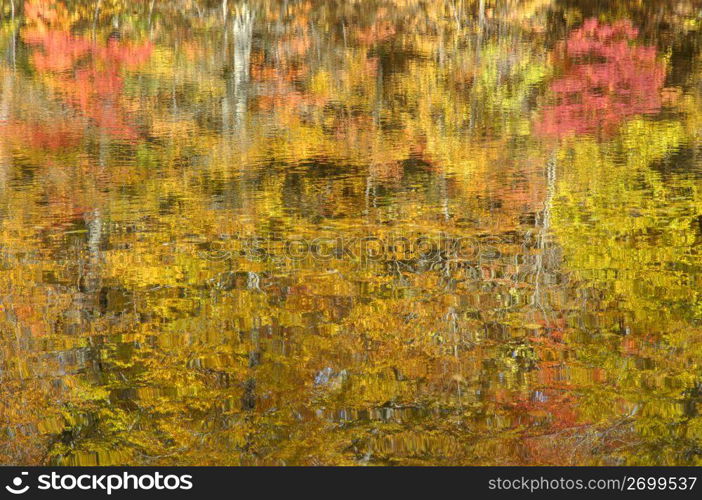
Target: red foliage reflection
{"x":86,"y":74}
{"x":606,"y":79}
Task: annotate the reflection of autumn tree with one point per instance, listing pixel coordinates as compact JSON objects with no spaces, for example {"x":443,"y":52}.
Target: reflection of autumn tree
{"x":604,"y":217}
{"x":611,"y":228}
{"x":621,"y":257}
{"x":87,"y":74}
{"x":606,"y":79}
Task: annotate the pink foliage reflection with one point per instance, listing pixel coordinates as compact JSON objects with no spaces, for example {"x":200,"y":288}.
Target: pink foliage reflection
{"x":607,"y":78}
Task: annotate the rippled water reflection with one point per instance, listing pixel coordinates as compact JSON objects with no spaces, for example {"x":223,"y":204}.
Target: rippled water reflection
{"x":364,"y":232}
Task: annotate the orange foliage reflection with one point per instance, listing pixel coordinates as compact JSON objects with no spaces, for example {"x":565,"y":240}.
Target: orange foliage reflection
{"x":85,"y":73}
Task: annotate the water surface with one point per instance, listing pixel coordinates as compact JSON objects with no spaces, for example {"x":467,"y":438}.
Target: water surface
{"x":350,"y":233}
